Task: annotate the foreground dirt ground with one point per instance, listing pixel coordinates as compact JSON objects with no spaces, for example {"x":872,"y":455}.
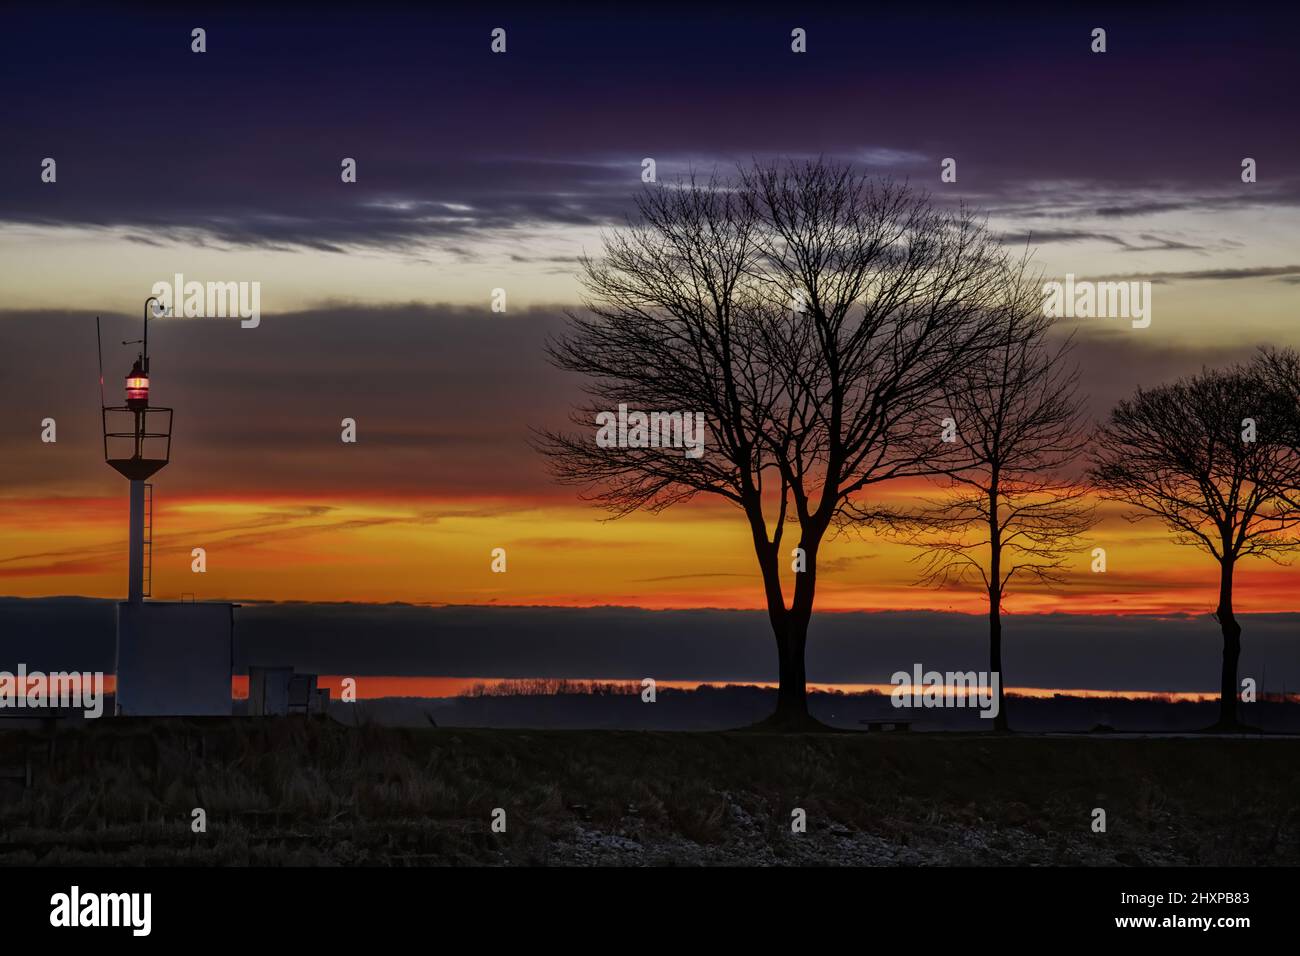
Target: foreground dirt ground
{"x":298,"y":792}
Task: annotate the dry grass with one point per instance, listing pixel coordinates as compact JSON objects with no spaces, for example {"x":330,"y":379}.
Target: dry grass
{"x":290,"y":791}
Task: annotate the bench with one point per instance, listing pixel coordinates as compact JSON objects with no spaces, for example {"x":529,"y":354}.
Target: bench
{"x":885,"y":726}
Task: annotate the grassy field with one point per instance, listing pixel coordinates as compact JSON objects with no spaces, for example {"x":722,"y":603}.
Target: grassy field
{"x":292,"y":791}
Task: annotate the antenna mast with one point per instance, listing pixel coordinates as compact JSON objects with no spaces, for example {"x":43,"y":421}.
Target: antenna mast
{"x":99,"y":342}
{"x":146,"y":331}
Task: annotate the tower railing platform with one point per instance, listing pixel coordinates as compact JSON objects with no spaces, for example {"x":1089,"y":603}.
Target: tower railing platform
{"x":137,"y":441}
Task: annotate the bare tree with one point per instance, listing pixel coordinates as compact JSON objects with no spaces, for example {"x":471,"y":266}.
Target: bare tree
{"x":811,"y":314}
{"x":1211,"y":457}
{"x":1280,"y":369}
{"x":1016,"y":421}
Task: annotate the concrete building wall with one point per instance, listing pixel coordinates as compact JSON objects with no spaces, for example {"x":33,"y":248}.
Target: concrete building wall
{"x":174,"y":659}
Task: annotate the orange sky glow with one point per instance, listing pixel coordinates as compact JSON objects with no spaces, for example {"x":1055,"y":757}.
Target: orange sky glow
{"x":439,"y":551}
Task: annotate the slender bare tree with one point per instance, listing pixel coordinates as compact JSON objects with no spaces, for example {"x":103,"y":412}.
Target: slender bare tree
{"x":1280,"y":368}
{"x":1211,"y":457}
{"x":811,"y":314}
{"x":1010,"y":512}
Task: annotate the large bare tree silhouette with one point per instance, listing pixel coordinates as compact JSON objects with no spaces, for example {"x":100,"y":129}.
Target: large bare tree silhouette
{"x":1213,"y":457}
{"x":813,"y":315}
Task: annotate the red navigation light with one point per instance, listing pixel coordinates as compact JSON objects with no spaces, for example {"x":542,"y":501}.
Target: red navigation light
{"x":137,"y":388}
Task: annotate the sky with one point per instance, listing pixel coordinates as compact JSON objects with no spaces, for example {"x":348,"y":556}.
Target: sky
{"x":479,"y":171}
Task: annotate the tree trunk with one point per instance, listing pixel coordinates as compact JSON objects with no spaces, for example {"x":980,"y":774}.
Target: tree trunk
{"x":791,"y":631}
{"x":790,"y":628}
{"x":995,"y":657}
{"x":1231,"y":649}
{"x":792,"y":692}
{"x":995,"y":600}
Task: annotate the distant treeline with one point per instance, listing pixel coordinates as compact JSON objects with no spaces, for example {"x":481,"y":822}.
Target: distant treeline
{"x":550,"y":686}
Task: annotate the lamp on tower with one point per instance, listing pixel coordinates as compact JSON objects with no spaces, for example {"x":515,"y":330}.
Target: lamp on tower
{"x":137,"y":444}
{"x":137,"y":388}
{"x":137,"y":436}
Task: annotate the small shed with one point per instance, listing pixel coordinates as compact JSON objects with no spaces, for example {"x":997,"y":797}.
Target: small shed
{"x":268,"y":690}
{"x":275,"y":691}
{"x":302,"y":693}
